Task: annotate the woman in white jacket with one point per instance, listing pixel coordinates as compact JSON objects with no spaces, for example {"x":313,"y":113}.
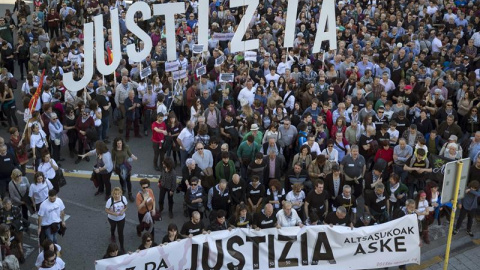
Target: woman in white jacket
{"x":288,"y":217}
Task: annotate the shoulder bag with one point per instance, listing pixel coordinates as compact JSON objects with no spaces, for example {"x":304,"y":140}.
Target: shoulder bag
{"x":25,"y":198}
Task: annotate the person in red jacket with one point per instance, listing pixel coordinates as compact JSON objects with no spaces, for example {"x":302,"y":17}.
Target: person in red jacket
{"x":159,"y":130}
{"x":385,"y":152}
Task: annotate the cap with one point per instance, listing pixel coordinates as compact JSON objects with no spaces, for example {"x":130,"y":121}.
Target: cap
{"x":466,"y":57}
{"x":253,"y":127}
{"x":408,"y":87}
{"x":453,"y":138}
{"x":399,"y":45}
{"x":300,"y":35}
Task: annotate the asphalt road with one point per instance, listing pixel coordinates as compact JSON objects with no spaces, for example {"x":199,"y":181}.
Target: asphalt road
{"x":88,"y":236}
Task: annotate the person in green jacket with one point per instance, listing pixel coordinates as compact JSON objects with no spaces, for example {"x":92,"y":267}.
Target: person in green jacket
{"x":256,"y":133}
{"x":225,"y":169}
{"x":399,"y":190}
{"x":246,"y":153}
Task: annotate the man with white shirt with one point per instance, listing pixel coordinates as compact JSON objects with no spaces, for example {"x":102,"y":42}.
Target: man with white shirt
{"x":314,"y":147}
{"x":50,"y":215}
{"x":387,"y":83}
{"x":51,"y":261}
{"x":284,"y":64}
{"x":437,"y":43}
{"x":247,"y":93}
{"x":272,"y":76}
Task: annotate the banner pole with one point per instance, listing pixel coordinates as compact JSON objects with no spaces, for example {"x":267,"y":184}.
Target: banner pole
{"x":452,"y":216}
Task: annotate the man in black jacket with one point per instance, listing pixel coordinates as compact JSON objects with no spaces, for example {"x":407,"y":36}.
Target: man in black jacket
{"x":8,"y":162}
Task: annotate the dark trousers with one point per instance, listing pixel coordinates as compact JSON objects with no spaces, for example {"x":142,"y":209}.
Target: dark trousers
{"x":464,"y":212}
{"x":158,"y":153}
{"x":147,"y":122}
{"x":24,"y":211}
{"x":22,"y":63}
{"x":105,"y":122}
{"x":55,"y":151}
{"x":163,"y":192}
{"x":140,"y":218}
{"x":53,"y":30}
{"x":104,"y":182}
{"x":4,"y":187}
{"x":119,"y":225}
{"x":136,"y":127}
{"x":11,"y":116}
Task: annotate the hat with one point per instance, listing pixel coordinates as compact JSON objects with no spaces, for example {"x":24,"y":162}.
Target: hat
{"x":438,"y":91}
{"x":466,"y":57}
{"x":399,"y":45}
{"x":453,"y":138}
{"x":300,"y":35}
{"x":253,"y":127}
{"x":267,"y":54}
{"x":408,"y":87}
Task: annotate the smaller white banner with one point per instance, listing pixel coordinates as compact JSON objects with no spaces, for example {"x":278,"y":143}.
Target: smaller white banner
{"x":226,"y":77}
{"x":172,"y":66}
{"x":250,"y":56}
{"x":180,"y":74}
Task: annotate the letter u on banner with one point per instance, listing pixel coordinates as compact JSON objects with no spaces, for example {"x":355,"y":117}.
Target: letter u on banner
{"x":68,"y":80}
{"x":99,"y":45}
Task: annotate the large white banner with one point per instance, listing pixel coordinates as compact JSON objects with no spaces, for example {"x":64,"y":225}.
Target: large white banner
{"x":313,"y":247}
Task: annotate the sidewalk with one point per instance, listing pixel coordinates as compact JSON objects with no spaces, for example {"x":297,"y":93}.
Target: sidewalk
{"x":462,"y":260}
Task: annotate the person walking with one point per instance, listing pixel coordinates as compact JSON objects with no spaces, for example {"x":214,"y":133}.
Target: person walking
{"x":103,"y":168}
{"x":50,"y":216}
{"x":56,"y":132}
{"x":167,"y":184}
{"x":18,"y":191}
{"x":186,"y":140}
{"x":116,"y":207}
{"x":467,"y":206}
{"x":121,"y":157}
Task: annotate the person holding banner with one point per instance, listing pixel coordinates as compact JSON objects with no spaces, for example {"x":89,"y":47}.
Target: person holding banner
{"x":288,"y":217}
{"x":192,"y":227}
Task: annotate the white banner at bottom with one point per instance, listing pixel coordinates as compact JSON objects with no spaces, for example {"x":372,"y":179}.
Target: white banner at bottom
{"x":385,"y":245}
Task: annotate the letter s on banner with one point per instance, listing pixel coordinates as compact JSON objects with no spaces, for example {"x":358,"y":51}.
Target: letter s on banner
{"x":68,"y":80}
{"x":290,"y":23}
{"x":99,"y":46}
{"x":327,"y":14}
{"x":237,"y":45}
{"x":133,"y":55}
{"x":169,"y":10}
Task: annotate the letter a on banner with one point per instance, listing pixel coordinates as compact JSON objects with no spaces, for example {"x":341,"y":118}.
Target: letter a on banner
{"x":68,"y":80}
{"x":327,"y":15}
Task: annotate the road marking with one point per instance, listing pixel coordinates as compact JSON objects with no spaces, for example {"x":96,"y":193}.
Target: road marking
{"x":88,"y":174}
{"x":426,"y":264}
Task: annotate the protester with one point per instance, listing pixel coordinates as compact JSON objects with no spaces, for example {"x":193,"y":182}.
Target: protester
{"x":51,"y":216}
{"x":102,"y":169}
{"x":116,"y":207}
{"x":122,"y":159}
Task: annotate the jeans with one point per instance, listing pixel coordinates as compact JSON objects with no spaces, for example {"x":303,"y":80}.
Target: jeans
{"x":105,"y":122}
{"x":124,"y":176}
{"x":183,"y":156}
{"x":49,"y":234}
{"x":398,"y":169}
{"x":55,"y":151}
{"x":147,"y":122}
{"x":119,"y":225}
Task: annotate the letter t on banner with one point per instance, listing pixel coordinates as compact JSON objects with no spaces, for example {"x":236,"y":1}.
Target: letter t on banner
{"x":327,"y":15}
{"x":169,"y":10}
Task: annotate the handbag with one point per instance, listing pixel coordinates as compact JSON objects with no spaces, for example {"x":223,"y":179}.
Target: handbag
{"x":61,"y":178}
{"x":93,"y":178}
{"x":25,"y":198}
{"x":64,"y":139}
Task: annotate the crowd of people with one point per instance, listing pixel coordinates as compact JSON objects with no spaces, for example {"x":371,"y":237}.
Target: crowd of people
{"x":298,"y":138}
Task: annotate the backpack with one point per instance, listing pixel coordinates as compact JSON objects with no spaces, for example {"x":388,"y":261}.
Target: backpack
{"x":112,"y":202}
{"x":296,"y":143}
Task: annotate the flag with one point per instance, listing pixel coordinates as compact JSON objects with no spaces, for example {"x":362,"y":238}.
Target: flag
{"x":33,"y":102}
{"x":109,"y":56}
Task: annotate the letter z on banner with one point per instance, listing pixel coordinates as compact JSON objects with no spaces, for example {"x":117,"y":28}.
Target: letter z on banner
{"x":386,"y":245}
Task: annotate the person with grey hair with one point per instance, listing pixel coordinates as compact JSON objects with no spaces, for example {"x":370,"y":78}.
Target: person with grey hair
{"x":338,"y":218}
{"x":188,"y":172}
{"x":288,"y":217}
{"x":56,"y":132}
{"x":121,"y":95}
